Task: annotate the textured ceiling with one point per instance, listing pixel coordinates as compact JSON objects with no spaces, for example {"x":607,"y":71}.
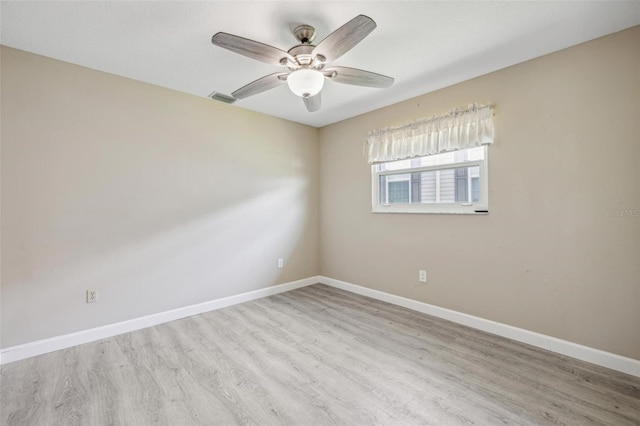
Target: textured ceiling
{"x":424,"y":45}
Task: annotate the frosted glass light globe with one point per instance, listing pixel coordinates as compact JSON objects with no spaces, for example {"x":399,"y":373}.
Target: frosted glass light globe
{"x":305,"y":82}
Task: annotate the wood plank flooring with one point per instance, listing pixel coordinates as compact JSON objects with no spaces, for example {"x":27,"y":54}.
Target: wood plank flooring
{"x":313,"y":356}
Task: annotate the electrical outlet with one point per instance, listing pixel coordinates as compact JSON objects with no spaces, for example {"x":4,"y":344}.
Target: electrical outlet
{"x":422,"y":276}
{"x":92,"y":296}
{"x":280,"y":263}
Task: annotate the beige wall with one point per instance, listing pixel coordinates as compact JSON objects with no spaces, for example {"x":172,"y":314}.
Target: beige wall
{"x":547,"y":258}
{"x":154,"y":198}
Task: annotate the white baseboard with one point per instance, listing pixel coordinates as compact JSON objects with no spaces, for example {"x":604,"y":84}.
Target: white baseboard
{"x":39,"y":347}
{"x":584,"y":353}
{"x":574,"y":350}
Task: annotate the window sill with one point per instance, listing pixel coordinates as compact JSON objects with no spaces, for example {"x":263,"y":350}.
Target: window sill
{"x":475,"y":211}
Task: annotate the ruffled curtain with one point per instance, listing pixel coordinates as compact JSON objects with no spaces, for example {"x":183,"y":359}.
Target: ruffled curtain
{"x":460,"y":128}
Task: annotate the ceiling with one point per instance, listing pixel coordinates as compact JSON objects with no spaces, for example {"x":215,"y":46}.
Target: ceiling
{"x":424,"y":45}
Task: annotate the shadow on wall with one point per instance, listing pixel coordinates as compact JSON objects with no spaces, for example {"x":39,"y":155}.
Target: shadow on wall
{"x":219,"y":251}
{"x":153,"y":198}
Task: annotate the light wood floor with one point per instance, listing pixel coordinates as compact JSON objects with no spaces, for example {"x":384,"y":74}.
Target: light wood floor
{"x":313,"y":356}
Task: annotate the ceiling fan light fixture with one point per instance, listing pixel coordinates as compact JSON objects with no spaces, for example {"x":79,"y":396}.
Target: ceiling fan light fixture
{"x":305,"y":82}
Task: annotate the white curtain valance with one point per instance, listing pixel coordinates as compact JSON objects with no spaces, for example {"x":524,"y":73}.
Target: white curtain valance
{"x":460,"y":128}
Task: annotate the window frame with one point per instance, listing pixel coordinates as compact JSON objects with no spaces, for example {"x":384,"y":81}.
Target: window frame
{"x":481,"y":207}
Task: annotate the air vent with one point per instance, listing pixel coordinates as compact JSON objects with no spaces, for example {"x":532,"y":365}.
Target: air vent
{"x":216,"y":96}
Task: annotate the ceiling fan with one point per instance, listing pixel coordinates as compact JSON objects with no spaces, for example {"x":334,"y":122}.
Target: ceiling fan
{"x":306,"y":62}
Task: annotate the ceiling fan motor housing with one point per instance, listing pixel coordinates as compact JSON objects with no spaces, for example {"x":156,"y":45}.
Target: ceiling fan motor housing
{"x":302,"y":54}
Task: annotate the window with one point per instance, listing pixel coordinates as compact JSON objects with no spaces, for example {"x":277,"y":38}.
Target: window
{"x":450,"y":182}
{"x":396,"y":189}
{"x":432,"y":165}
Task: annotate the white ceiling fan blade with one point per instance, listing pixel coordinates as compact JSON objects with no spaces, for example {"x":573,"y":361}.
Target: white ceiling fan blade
{"x":344,"y":38}
{"x":358,"y":77}
{"x":260,"y":85}
{"x":250,"y":48}
{"x":312,"y":102}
